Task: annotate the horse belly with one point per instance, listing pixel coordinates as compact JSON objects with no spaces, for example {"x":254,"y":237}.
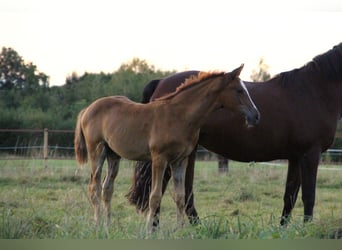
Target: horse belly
{"x":243,"y":153}
{"x":235,"y":141}
{"x":132,"y":152}
{"x":129,"y":146}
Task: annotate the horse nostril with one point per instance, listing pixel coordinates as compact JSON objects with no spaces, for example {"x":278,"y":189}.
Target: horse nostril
{"x":257,"y":118}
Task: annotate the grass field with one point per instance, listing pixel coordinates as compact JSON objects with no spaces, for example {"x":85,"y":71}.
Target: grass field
{"x":52,"y":203}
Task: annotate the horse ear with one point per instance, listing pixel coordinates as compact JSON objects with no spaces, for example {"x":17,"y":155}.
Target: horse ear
{"x":236,"y":72}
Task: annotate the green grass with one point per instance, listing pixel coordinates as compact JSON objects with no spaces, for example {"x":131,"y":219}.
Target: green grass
{"x":52,"y":203}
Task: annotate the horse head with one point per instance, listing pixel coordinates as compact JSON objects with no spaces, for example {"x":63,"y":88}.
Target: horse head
{"x":237,"y":99}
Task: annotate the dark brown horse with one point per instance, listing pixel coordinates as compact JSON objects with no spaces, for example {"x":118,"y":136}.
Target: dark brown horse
{"x":300,"y":110}
{"x":167,"y":130}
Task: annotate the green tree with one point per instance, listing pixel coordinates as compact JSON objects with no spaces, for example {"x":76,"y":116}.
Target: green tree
{"x":262,"y":74}
{"x":24,"y":97}
{"x":27,"y":101}
{"x":16,"y":74}
{"x":131,"y":78}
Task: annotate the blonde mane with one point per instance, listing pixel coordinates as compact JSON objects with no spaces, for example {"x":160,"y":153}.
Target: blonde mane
{"x":190,"y":82}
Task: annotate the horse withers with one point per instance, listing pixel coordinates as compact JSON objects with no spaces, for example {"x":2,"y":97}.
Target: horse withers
{"x":164,"y":131}
{"x":300,"y":111}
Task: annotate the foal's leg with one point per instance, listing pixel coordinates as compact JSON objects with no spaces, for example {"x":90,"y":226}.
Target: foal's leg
{"x":113,"y":161}
{"x":159,"y":165}
{"x":97,"y":156}
{"x":291,"y":190}
{"x":178,"y":174}
{"x":167,"y":176}
{"x":190,"y":209}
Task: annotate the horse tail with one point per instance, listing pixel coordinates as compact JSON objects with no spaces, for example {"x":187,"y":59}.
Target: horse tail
{"x":149,"y":90}
{"x":139,"y":191}
{"x":81,"y":152}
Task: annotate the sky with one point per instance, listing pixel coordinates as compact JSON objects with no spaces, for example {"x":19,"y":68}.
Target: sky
{"x":66,"y":36}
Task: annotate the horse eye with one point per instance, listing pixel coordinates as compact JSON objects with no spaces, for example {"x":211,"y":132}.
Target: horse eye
{"x":240,"y":91}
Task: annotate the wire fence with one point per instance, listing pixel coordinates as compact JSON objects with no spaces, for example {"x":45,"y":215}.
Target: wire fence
{"x":36,"y":144}
{"x":40,"y":144}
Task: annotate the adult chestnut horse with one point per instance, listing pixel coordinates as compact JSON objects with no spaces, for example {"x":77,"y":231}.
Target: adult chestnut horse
{"x":164,"y":131}
{"x":300,"y":110}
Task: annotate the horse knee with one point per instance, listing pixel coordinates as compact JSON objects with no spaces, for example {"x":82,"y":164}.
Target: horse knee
{"x":95,"y":192}
{"x":107,"y":193}
{"x":180,"y":199}
{"x":155,"y":200}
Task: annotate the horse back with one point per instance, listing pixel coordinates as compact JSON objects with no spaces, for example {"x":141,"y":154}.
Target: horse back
{"x":121,"y":124}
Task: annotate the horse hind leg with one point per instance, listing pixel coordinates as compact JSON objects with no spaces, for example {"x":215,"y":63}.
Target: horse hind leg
{"x":97,"y":157}
{"x":113,"y":161}
{"x":178,"y":174}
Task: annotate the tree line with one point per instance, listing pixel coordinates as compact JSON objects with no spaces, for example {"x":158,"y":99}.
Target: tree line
{"x":27,"y":101}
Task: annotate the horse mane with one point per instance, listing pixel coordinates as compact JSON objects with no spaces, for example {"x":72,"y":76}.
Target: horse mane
{"x":190,"y":82}
{"x":330,"y":63}
{"x":327,"y":66}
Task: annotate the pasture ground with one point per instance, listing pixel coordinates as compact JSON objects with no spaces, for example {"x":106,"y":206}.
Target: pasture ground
{"x":53,"y":203}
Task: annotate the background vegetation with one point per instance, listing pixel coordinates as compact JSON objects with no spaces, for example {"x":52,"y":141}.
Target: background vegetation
{"x":27,"y":101}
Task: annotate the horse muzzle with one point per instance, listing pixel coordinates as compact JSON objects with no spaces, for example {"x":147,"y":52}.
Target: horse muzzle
{"x":252,"y":117}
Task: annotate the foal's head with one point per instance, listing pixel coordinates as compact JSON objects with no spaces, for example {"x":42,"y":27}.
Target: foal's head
{"x":235,"y":97}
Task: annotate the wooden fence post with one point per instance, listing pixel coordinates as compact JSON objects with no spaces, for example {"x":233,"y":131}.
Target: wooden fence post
{"x":46,"y":146}
{"x":223,"y":164}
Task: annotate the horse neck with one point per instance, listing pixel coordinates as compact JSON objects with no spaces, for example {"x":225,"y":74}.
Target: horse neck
{"x":196,"y":103}
{"x":329,"y":87}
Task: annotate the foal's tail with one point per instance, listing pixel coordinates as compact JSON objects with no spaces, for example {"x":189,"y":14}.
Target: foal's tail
{"x":81,"y":152}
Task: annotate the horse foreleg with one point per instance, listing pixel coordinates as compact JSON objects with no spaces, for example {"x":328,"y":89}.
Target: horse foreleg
{"x":178,"y":174}
{"x":108,"y":184}
{"x":158,"y":168}
{"x":309,"y":168}
{"x":166,"y":178}
{"x":291,"y":190}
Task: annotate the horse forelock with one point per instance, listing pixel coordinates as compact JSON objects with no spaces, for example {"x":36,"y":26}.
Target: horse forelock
{"x":190,"y":82}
